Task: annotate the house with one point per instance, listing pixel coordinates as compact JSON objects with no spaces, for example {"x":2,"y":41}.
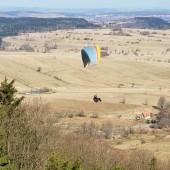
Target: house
{"x":146,"y":115}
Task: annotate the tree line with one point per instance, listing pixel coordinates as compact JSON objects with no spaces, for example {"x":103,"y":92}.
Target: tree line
{"x":14,"y":26}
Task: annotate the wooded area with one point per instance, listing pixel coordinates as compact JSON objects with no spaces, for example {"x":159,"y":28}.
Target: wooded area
{"x":14,"y":26}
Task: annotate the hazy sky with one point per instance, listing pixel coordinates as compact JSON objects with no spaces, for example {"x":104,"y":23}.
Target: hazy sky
{"x":148,"y":4}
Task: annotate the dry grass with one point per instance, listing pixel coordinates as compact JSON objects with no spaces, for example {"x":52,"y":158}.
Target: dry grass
{"x":130,"y":72}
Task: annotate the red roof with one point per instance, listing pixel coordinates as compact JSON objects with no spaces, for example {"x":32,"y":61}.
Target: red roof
{"x":146,"y":114}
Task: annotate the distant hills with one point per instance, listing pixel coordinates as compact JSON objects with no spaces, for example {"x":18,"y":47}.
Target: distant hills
{"x":15,"y":21}
{"x":141,"y":22}
{"x":98,"y":15}
{"x":37,"y":14}
{"x":149,"y":22}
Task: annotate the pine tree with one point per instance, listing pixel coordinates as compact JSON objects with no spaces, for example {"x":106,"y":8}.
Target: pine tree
{"x":8,"y":106}
{"x":7,"y":95}
{"x":57,"y":163}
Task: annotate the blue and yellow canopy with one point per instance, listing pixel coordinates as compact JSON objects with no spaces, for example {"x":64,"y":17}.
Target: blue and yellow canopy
{"x":91,"y":55}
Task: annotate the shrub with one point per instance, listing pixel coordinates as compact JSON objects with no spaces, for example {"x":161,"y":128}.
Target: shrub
{"x":95,"y":115}
{"x":147,"y":121}
{"x":104,"y":48}
{"x":38,"y":69}
{"x":89,"y":129}
{"x":107,"y":128}
{"x":94,"y":154}
{"x":26,"y":47}
{"x":56,"y":163}
{"x":86,"y":38}
{"x":120,"y":33}
{"x":167,"y":50}
{"x":119,"y":142}
{"x":70,"y":115}
{"x":123,"y":100}
{"x":44,"y":90}
{"x":81,"y":114}
{"x":104,"y":53}
{"x":142,"y":141}
{"x":143,"y":160}
{"x":145,"y":33}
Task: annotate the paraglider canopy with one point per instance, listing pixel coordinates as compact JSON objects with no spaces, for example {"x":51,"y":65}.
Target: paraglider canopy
{"x":90,"y":55}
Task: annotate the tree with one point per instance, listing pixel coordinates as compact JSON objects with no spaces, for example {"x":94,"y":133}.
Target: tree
{"x":164,"y":112}
{"x":7,"y":95}
{"x":56,"y":163}
{"x":161,"y":103}
{"x":153,"y":164}
{"x":8,"y":104}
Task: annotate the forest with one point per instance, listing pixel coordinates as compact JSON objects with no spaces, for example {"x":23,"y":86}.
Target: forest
{"x":15,"y":26}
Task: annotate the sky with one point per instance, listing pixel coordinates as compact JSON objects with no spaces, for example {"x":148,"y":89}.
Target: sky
{"x":111,"y":4}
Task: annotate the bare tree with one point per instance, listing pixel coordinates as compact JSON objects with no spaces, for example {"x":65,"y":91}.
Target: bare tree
{"x":164,"y":112}
{"x":107,"y":128}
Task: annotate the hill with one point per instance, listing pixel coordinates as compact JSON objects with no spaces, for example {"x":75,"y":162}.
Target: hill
{"x":61,"y":65}
{"x":129,"y":80}
{"x":150,"y":23}
{"x":142,"y":23}
{"x":14,"y":26}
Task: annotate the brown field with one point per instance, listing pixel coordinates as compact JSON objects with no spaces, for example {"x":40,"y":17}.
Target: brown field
{"x":137,"y":70}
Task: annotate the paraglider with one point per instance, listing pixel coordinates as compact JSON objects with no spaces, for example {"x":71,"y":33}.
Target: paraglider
{"x":91,"y":55}
{"x":96,"y":99}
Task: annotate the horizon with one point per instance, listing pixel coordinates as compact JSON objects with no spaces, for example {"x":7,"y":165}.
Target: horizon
{"x":48,"y":9}
{"x":88,"y":4}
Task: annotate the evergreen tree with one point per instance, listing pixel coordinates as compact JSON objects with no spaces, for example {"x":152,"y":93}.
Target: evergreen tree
{"x":8,"y":106}
{"x":7,"y":95}
{"x":57,"y":163}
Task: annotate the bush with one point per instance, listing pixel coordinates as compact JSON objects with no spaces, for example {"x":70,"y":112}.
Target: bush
{"x":96,"y":116}
{"x":86,"y":38}
{"x":81,"y":114}
{"x":145,"y":33}
{"x":56,"y":163}
{"x":104,"y":54}
{"x":167,"y":50}
{"x":142,"y":141}
{"x":89,"y":130}
{"x":107,"y":128}
{"x":119,"y":142}
{"x":38,"y":69}
{"x":147,"y":121}
{"x":123,"y":100}
{"x":95,"y":154}
{"x":26,"y":47}
{"x":104,"y":48}
{"x":70,"y":115}
{"x":143,"y":160}
{"x":45,"y":90}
